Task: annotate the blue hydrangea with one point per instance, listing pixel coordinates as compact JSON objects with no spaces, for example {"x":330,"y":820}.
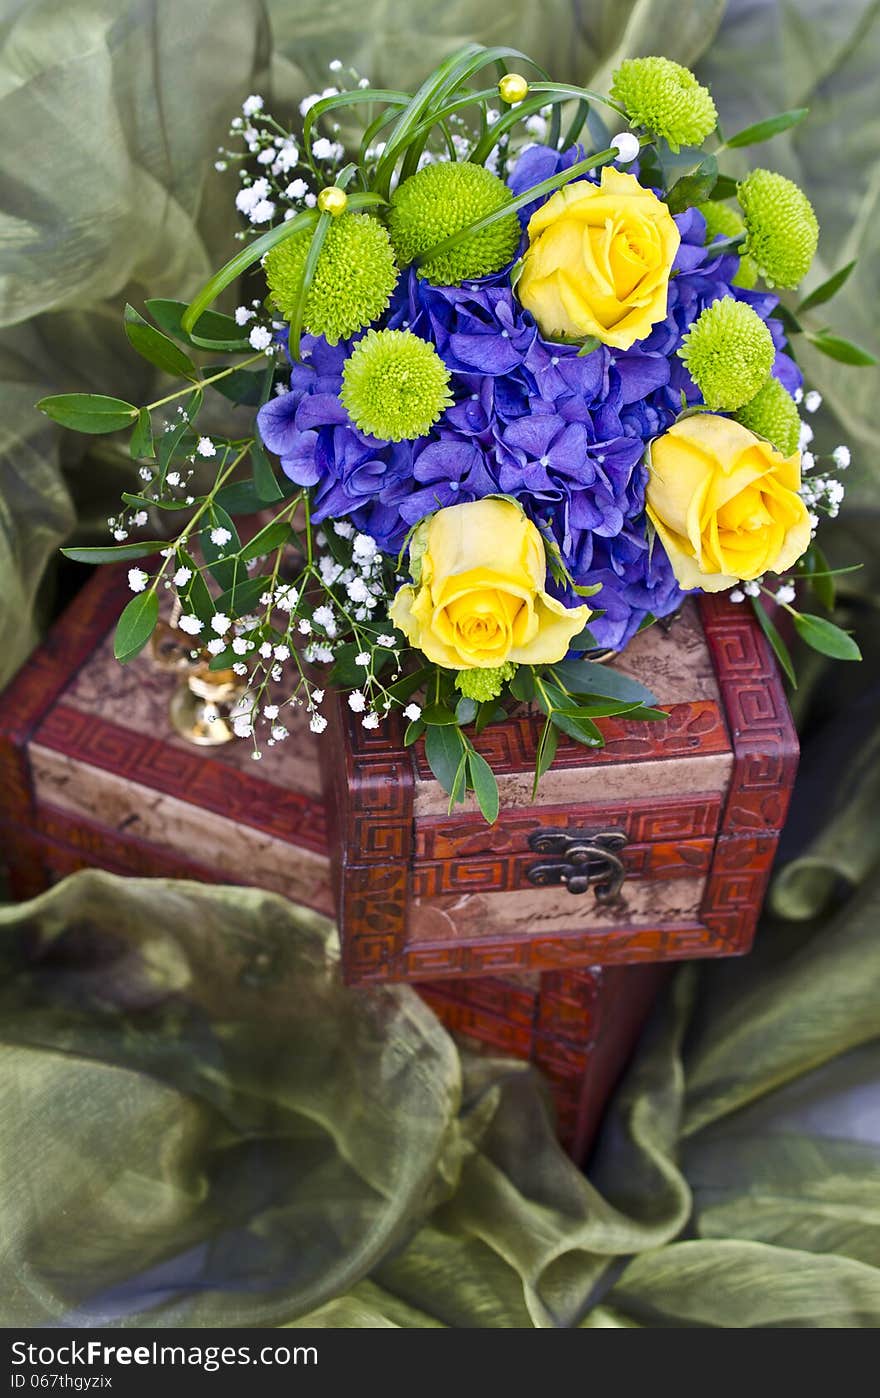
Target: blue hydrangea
{"x":563,"y":433}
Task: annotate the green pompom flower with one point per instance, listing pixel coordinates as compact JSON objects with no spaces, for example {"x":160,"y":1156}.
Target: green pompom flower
{"x":772,"y":414}
{"x":394,"y":385}
{"x":782,"y":231}
{"x":482,"y":684}
{"x":441,"y":200}
{"x":353,"y":281}
{"x":729,"y":353}
{"x":665,"y":99}
{"x":724,"y":222}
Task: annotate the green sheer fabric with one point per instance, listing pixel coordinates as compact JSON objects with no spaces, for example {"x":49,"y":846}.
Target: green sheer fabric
{"x":198,"y":1123}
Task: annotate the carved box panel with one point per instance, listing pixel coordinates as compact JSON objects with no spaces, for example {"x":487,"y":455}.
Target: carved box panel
{"x":656,"y":847}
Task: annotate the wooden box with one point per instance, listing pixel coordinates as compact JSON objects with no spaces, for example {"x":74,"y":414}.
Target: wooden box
{"x":93,"y":776}
{"x":690,"y":807}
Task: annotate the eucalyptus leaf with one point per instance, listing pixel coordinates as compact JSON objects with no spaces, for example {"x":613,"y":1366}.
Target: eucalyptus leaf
{"x":836,"y":347}
{"x":243,"y":596}
{"x":436,"y":714}
{"x":546,"y":751}
{"x":221,"y":559}
{"x":271,"y":537}
{"x":822,"y":635}
{"x":141,"y":445}
{"x":578,"y":726}
{"x":115,"y":553}
{"x":764,"y":130}
{"x":264,"y":478}
{"x":819,"y":576}
{"x":777,"y":644}
{"x":586,"y":677}
{"x":155,"y":347}
{"x":89,"y":412}
{"x":828,"y":288}
{"x":194,"y":595}
{"x":693,"y":188}
{"x":414,"y":731}
{"x":215,"y":330}
{"x":465,"y":710}
{"x":485,"y":786}
{"x":443,"y":749}
{"x":135,"y":626}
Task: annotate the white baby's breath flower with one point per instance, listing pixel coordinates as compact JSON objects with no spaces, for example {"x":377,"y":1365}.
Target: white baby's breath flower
{"x":317,"y":696}
{"x":190,"y":624}
{"x":412,"y":712}
{"x":322,"y":149}
{"x":751,"y":589}
{"x":813,"y":401}
{"x":270,"y":711}
{"x":173,"y":478}
{"x":265,"y":650}
{"x":356,"y":702}
{"x":281,"y":652}
{"x":253,"y":104}
{"x":240,"y":646}
{"x":243,"y":314}
{"x":220,"y":536}
{"x":140,"y":518}
{"x":364,"y":546}
{"x":317,"y":723}
{"x":305,"y":626}
{"x":220,"y":623}
{"x":841,"y":457}
{"x":262,"y":212}
{"x":387,"y":641}
{"x":260,"y":338}
{"x":266,"y":156}
{"x":343,"y":528}
{"x":363,"y":658}
{"x":206,"y":447}
{"x":239,"y":669}
{"x":297,"y":189}
{"x":806,"y":435}
{"x":182,"y":577}
{"x":736,"y":594}
{"x":370,"y":720}
{"x":785,"y":594}
{"x":217,"y":646}
{"x":137,"y":579}
{"x":323,"y":616}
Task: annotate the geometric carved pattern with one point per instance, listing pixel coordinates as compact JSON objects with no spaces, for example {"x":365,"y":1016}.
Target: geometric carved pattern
{"x":691,"y":858}
{"x":763,"y":736}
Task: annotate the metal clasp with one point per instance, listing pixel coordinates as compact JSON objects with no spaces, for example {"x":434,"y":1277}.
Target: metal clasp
{"x":583,"y":858}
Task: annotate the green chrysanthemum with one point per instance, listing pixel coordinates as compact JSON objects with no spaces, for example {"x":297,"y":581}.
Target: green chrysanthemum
{"x":729,"y":353}
{"x":665,"y":99}
{"x":724,"y":222}
{"x":482,"y":684}
{"x":353,"y":281}
{"x":441,"y":200}
{"x":772,"y":414}
{"x":394,"y":385}
{"x":782,"y":231}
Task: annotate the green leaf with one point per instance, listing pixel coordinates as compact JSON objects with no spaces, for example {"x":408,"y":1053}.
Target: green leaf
{"x":89,"y":412}
{"x":725,"y":188}
{"x":141,"y":444}
{"x":459,"y":782}
{"x":177,"y":435}
{"x":592,"y":342}
{"x":825,"y":637}
{"x":587,"y":677}
{"x":194,"y":595}
{"x":414,"y":731}
{"x":693,"y":188}
{"x":465,"y":710}
{"x":155,"y":347}
{"x":196,"y":312}
{"x":216,"y":331}
{"x":827,"y":289}
{"x":777,"y":645}
{"x":443,"y":749}
{"x":522,"y":686}
{"x":485,"y":786}
{"x":242,"y":386}
{"x":545,"y":754}
{"x":438,"y":714}
{"x":843,"y":350}
{"x":117,"y":553}
{"x":489,"y":712}
{"x":764,"y":130}
{"x":239,"y":498}
{"x":264,"y":478}
{"x":579,"y":727}
{"x":143,"y":502}
{"x":135,"y":626}
{"x":820,"y":577}
{"x":220,"y":558}
{"x":270,"y":537}
{"x":584,"y":640}
{"x":243,"y":596}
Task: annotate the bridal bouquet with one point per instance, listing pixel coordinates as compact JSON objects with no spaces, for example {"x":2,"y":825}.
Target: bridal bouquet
{"x":508,"y":388}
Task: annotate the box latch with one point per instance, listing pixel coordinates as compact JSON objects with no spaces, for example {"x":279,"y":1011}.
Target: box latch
{"x":582,"y":859}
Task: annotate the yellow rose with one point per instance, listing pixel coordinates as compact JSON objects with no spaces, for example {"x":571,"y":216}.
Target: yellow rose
{"x":480,"y":598}
{"x":598,"y":261}
{"x":724,"y":503}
